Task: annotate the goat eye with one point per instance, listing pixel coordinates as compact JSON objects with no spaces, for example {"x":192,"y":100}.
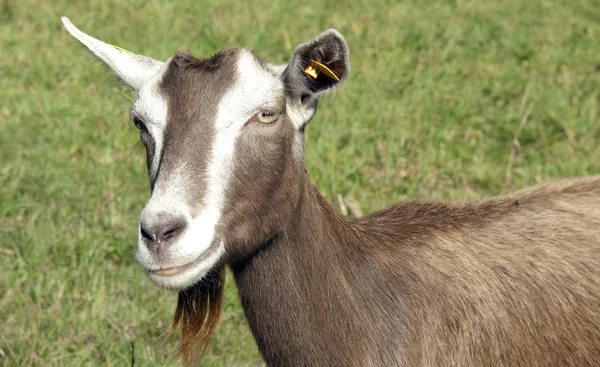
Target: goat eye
{"x":139,"y":124}
{"x":267,"y":117}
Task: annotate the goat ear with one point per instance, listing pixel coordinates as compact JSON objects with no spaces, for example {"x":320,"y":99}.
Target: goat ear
{"x":318,"y":65}
{"x":134,"y":70}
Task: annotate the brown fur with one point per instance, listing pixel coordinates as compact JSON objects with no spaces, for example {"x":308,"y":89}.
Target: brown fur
{"x":425,"y":283}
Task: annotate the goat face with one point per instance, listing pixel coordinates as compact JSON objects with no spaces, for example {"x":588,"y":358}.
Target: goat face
{"x":225,"y":149}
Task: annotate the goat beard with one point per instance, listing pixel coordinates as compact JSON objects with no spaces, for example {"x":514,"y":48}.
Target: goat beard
{"x":198,"y":311}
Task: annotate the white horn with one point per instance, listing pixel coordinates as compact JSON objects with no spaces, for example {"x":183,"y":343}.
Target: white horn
{"x":134,"y":70}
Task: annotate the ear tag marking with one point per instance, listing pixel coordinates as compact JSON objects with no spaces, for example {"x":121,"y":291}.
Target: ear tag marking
{"x":314,"y":68}
{"x":121,"y":49}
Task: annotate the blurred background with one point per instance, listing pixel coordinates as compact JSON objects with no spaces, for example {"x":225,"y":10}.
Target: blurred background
{"x":447,"y":100}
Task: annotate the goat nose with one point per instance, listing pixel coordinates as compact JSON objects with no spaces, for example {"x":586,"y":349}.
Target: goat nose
{"x":162,"y":233}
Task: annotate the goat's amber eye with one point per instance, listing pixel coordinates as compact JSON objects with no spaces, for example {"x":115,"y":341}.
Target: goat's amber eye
{"x":267,"y":117}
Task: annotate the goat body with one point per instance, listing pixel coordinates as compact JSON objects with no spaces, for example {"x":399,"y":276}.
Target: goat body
{"x":513,"y":280}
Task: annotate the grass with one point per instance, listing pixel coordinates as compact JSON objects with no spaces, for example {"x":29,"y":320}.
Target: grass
{"x":446,"y":99}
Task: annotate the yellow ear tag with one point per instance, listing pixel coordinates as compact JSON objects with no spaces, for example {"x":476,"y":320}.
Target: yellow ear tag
{"x":311,"y":72}
{"x":121,"y":49}
{"x":314,"y":68}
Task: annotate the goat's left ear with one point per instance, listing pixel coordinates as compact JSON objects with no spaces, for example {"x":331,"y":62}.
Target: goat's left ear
{"x":317,"y":66}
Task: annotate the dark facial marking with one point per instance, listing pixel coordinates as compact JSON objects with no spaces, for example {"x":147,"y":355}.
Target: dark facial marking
{"x":193,"y":88}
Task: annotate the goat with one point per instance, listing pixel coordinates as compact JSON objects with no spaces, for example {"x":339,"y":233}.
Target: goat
{"x":512,"y":280}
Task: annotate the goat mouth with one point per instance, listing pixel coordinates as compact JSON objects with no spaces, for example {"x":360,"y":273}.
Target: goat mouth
{"x":174,"y":270}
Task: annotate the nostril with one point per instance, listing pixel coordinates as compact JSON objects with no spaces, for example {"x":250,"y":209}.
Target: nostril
{"x":162,"y":232}
{"x":145,"y":233}
{"x":169,"y":233}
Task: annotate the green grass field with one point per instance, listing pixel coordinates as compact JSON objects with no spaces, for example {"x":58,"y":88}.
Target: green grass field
{"x":446,"y":100}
